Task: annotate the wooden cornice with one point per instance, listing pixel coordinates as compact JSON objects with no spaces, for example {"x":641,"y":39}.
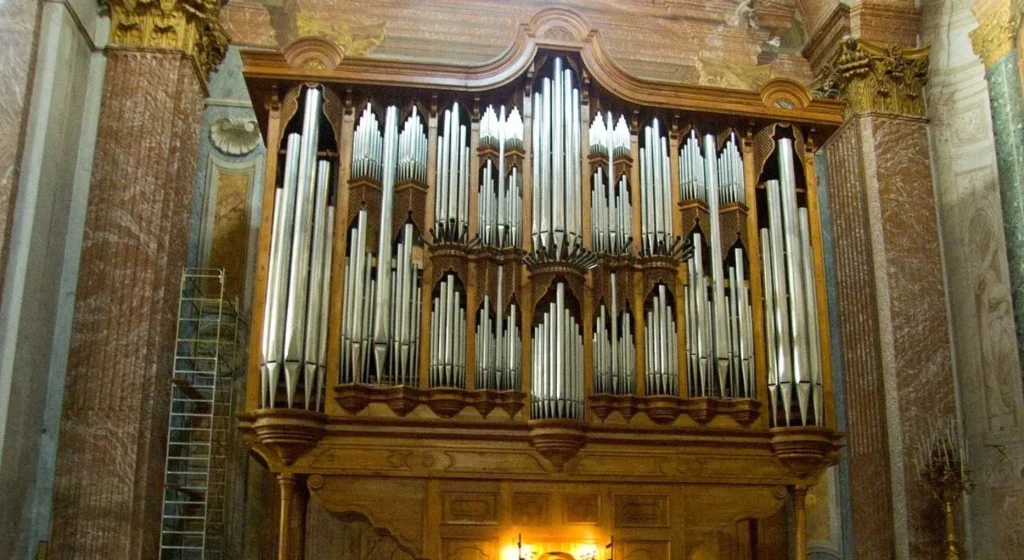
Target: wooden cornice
{"x":561,"y":29}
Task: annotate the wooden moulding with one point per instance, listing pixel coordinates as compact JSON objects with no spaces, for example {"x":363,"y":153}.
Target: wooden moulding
{"x":445,"y":402}
{"x":806,"y":450}
{"x":317,"y":59}
{"x":288,"y":432}
{"x":664,"y":409}
{"x":558,"y":441}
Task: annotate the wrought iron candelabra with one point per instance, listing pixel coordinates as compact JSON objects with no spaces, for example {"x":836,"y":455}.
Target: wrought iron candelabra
{"x":943,"y":468}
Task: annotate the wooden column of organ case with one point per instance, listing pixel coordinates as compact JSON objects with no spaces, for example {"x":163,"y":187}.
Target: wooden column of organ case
{"x":537,"y":306}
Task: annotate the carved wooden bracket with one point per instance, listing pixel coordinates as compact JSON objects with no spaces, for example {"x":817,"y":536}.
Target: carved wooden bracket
{"x":288,"y":432}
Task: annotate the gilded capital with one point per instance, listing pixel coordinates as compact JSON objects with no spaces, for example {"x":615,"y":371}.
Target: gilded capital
{"x":872,"y":76}
{"x":997,"y":28}
{"x":191,"y":26}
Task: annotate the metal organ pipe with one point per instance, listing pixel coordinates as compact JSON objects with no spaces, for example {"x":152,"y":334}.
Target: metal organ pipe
{"x":299,"y":269}
{"x":451,"y":200}
{"x":498,"y":343}
{"x":790,"y":300}
{"x":660,"y":336}
{"x":382,"y":291}
{"x":613,"y":348}
{"x":557,"y":373}
{"x":500,"y":198}
{"x":716,"y":298}
{"x":448,"y":336}
{"x":557,"y":164}
{"x":611,"y":214}
{"x":655,"y":197}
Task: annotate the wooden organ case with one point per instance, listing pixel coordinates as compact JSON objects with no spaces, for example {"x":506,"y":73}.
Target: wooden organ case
{"x":537,"y":306}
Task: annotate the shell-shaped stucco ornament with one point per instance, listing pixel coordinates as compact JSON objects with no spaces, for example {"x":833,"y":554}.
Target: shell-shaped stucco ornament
{"x":235,"y":137}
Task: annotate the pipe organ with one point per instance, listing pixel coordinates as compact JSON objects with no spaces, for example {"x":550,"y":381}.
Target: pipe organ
{"x":434,"y":265}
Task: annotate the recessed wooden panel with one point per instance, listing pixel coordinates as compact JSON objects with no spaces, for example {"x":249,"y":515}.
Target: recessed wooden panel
{"x":470,"y":508}
{"x":582,"y":508}
{"x":642,"y":550}
{"x":640,"y":510}
{"x":531,"y":509}
{"x":467,"y":549}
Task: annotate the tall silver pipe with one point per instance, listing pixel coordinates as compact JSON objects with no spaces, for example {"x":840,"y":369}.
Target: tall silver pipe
{"x":295,"y":318}
{"x":277,"y":287}
{"x":794,"y":275}
{"x":316,"y":282}
{"x":536,"y":158}
{"x":544,"y":187}
{"x":717,"y":280}
{"x":325,"y":307}
{"x":784,"y":359}
{"x":813,"y":335}
{"x":745,"y":340}
{"x":268,"y":366}
{"x":771,"y":326}
{"x":381,"y":325}
{"x":360,"y":296}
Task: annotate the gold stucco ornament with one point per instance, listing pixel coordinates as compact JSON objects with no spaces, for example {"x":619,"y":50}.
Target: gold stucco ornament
{"x":873,"y":77}
{"x":191,"y":26}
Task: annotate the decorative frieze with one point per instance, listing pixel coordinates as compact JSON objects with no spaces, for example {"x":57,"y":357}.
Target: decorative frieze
{"x":998,"y":21}
{"x":875,"y":77}
{"x":191,"y":26}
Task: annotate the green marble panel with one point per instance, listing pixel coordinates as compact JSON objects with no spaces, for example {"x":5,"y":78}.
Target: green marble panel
{"x":1008,"y":124}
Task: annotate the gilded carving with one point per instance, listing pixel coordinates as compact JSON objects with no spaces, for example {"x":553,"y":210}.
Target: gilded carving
{"x":731,"y":74}
{"x":997,"y":28}
{"x":352,"y":41}
{"x":877,"y":77}
{"x":191,"y":26}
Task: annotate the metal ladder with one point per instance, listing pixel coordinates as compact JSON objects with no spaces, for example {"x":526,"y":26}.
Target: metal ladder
{"x":197,"y":436}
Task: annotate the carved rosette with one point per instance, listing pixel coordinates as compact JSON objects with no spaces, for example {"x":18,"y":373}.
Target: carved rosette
{"x":191,"y":26}
{"x":873,"y":76}
{"x":998,"y":21}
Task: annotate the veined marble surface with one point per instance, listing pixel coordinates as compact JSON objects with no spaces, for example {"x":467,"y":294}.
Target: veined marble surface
{"x":977,"y":277}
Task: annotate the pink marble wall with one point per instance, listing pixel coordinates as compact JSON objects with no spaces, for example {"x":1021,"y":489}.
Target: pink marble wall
{"x":916,"y":344}
{"x":18,"y":27}
{"x":894,"y":325}
{"x":109,"y":475}
{"x":859,"y":331}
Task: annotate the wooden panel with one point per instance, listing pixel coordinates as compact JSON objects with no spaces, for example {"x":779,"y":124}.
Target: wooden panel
{"x":531,"y":509}
{"x":472,"y":508}
{"x":642,"y":550}
{"x":582,"y":508}
{"x":639,"y":510}
{"x":466,"y":549}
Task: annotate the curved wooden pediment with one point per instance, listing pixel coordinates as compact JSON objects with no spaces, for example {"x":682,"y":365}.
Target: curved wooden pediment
{"x":560,"y":29}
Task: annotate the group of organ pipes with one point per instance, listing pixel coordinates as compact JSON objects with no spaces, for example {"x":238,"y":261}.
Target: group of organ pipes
{"x":691,"y":338}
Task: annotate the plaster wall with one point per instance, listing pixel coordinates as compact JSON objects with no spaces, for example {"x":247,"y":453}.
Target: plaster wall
{"x":974,"y":251}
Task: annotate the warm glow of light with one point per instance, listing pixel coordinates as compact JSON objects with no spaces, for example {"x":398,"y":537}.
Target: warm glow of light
{"x":510,"y":552}
{"x":586,"y":552}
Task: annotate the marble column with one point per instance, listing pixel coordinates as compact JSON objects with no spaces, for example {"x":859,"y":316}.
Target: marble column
{"x":890,"y":288}
{"x":109,"y":472}
{"x":995,"y":41}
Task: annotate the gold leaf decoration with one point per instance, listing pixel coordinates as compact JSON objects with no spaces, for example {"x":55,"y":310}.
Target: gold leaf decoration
{"x":351,"y":40}
{"x":192,"y":26}
{"x":732,"y":75}
{"x":997,"y":26}
{"x":876,"y":77}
